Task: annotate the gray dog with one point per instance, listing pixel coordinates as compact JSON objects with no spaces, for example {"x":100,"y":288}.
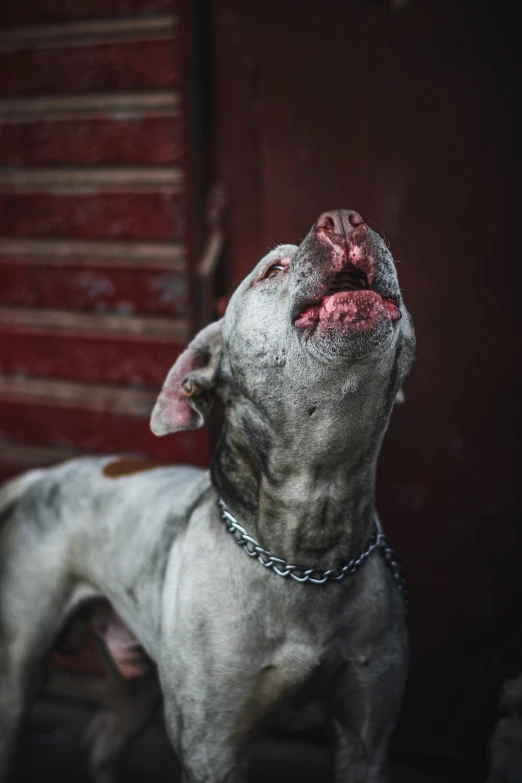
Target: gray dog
{"x":308,"y":361}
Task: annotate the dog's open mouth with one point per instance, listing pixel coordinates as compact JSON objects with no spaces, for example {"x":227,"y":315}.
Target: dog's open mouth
{"x":349,"y":302}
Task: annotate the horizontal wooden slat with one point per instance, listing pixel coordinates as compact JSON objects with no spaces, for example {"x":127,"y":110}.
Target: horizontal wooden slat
{"x":119,"y":105}
{"x":82,"y":680}
{"x":134,"y":140}
{"x":110,"y":66}
{"x":90,"y":418}
{"x":29,"y":456}
{"x":102,"y":326}
{"x":71,"y":33}
{"x":87,"y":357}
{"x":66,"y":394}
{"x":89,"y":347}
{"x":121,"y":289}
{"x":30,"y":11}
{"x":92,"y":215}
{"x":152,"y":255}
{"x":107,"y":178}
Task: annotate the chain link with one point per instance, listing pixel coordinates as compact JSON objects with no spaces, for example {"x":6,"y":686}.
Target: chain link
{"x":393,"y":563}
{"x":314,"y":575}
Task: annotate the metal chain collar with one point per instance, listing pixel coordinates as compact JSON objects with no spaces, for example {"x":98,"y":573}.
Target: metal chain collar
{"x":314,"y":575}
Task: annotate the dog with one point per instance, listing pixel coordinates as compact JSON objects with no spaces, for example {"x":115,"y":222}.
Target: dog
{"x":308,"y":360}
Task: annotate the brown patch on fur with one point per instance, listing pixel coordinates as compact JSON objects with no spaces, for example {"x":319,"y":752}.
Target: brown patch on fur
{"x":126,"y":466}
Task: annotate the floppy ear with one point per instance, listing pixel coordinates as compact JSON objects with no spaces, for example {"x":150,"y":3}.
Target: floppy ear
{"x":188,"y":392}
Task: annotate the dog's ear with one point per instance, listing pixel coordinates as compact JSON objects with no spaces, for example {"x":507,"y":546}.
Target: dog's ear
{"x":188,"y":392}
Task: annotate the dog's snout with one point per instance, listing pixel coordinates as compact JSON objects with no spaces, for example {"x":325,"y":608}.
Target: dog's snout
{"x":339,"y":221}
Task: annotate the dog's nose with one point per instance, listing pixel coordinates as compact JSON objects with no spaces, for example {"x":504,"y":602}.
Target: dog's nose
{"x":339,"y":221}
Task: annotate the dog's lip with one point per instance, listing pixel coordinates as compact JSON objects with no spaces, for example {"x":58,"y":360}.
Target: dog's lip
{"x":348,"y":310}
{"x":350,"y":280}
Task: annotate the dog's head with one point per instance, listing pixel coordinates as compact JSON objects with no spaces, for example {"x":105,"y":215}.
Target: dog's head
{"x":312,"y":329}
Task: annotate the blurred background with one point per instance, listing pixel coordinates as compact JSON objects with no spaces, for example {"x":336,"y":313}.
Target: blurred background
{"x":152,"y":150}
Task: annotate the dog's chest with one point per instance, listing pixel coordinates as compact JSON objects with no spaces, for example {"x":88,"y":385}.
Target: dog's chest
{"x":298,"y":632}
{"x":235,"y":616}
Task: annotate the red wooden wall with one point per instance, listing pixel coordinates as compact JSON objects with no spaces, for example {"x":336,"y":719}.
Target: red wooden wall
{"x":98,"y":224}
{"x":411,"y":121}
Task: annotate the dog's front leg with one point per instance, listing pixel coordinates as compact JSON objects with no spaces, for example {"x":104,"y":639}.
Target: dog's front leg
{"x":358,"y":761}
{"x":365,"y":710}
{"x":203,"y":736}
{"x":209,"y":733}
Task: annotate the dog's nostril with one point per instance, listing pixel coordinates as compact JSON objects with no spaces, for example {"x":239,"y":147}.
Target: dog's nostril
{"x":355,"y":219}
{"x":330,"y":222}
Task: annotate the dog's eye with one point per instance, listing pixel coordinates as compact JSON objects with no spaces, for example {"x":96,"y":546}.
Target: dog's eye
{"x":274,"y":270}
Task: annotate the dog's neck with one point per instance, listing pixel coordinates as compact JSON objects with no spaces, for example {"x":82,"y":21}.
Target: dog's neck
{"x":307,"y":501}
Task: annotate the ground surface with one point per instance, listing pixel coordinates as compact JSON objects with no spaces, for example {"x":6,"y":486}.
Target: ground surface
{"x":50,"y":749}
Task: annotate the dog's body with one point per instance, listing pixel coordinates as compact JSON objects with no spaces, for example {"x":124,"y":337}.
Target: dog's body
{"x":307,"y":401}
